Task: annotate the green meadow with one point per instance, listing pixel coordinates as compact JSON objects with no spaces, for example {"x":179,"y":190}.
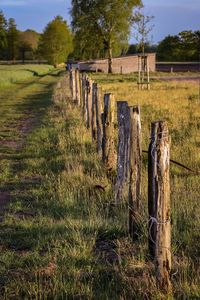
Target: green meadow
{"x":15,"y":74}
{"x":61,"y":236}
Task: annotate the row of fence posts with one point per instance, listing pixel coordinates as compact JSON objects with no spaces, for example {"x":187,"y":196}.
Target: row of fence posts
{"x":98,"y":111}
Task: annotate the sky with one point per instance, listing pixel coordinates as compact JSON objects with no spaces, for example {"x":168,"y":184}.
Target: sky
{"x":170,"y":16}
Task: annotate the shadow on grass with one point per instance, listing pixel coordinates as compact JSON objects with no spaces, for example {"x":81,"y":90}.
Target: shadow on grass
{"x":60,"y":212}
{"x":52,"y":73}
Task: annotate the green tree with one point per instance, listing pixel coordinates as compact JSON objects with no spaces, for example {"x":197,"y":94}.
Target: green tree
{"x":169,"y":48}
{"x":28,"y":44}
{"x":197,"y":45}
{"x":135,"y":48}
{"x":182,"y":47}
{"x":3,"y":34}
{"x":102,"y":25}
{"x":188,"y":45}
{"x":13,"y":39}
{"x":56,"y":41}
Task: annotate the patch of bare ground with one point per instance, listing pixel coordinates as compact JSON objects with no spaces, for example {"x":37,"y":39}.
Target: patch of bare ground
{"x":182,"y":78}
{"x":107,"y":251}
{"x":10,"y":144}
{"x":25,"y":125}
{"x":4,"y":200}
{"x":49,"y":270}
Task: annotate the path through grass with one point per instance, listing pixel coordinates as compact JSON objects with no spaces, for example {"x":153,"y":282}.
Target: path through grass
{"x":61,"y":237}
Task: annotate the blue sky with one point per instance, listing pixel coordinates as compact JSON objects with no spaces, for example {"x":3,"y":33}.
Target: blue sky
{"x":171,"y":16}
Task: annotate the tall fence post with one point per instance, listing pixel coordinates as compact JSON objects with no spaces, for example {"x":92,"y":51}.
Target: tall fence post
{"x":72,"y":84}
{"x":84,"y":95}
{"x":94,"y":115}
{"x":80,"y":90}
{"x":159,"y":203}
{"x":108,"y":149}
{"x":123,"y":117}
{"x":77,"y":86}
{"x":88,"y":102}
{"x":135,"y":165}
{"x":98,"y":118}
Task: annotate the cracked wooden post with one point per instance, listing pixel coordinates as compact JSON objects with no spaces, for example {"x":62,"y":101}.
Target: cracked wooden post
{"x":123,"y":117}
{"x":108,"y":149}
{"x":94,"y":115}
{"x":88,"y":102}
{"x":159,"y":204}
{"x":81,"y":91}
{"x":98,"y":117}
{"x":72,"y":84}
{"x":135,"y":158}
{"x":84,"y":95}
{"x":77,"y":84}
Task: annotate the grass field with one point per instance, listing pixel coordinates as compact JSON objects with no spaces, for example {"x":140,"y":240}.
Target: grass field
{"x":14,"y":74}
{"x":60,"y":235}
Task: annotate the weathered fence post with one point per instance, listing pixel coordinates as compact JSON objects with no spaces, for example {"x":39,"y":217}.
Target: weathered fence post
{"x":84,"y":95}
{"x":123,"y":117}
{"x":94,"y":115}
{"x":108,"y":149}
{"x":159,"y":203}
{"x":135,"y":158}
{"x":79,"y":89}
{"x":73,"y":86}
{"x":88,"y":102}
{"x":71,"y":82}
{"x":98,"y":118}
{"x":77,"y":80}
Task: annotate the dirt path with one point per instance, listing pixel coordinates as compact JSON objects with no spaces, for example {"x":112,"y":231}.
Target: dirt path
{"x":21,"y":111}
{"x":178,"y":78}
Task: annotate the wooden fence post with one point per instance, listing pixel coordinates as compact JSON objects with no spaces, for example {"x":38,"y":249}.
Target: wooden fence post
{"x":108,"y":149}
{"x":73,"y":85}
{"x":135,"y":157}
{"x":123,"y":117}
{"x":98,"y":118}
{"x":88,"y":102}
{"x":71,"y":82}
{"x":84,"y":95}
{"x":80,"y":90}
{"x":159,"y":203}
{"x":94,"y":115}
{"x":77,"y":80}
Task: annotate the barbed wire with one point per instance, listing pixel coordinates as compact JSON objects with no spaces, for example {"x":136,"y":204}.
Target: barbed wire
{"x":197,"y":172}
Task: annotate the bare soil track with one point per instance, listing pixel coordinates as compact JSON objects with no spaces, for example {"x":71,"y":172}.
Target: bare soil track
{"x":179,"y":78}
{"x":16,"y":129}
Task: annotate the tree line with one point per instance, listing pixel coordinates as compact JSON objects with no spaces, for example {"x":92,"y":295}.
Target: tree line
{"x":53,"y":45}
{"x":15,"y":44}
{"x":99,"y":29}
{"x":182,"y":47}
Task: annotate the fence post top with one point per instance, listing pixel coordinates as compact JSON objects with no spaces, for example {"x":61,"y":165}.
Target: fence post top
{"x":135,"y":108}
{"x":107,"y":94}
{"x":159,"y":122}
{"x":122,"y":102}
